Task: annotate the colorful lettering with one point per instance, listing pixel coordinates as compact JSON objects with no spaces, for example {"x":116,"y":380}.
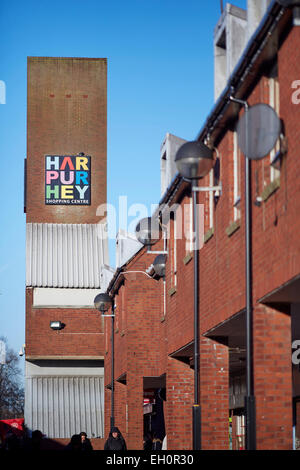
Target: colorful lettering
{"x":81,"y":191}
{"x":67,"y":180}
{"x":81,"y":162}
{"x":63,"y":178}
{"x":54,"y":191}
{"x":51,"y":175}
{"x":81,"y":176}
{"x":67,"y":161}
{"x":52,"y":163}
{"x":66,"y":192}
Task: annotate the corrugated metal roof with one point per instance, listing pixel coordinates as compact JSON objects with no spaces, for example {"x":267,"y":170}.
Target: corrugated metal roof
{"x":65,"y":255}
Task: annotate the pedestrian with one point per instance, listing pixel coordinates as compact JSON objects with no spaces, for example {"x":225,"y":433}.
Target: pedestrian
{"x":36,"y":440}
{"x":85,"y":442}
{"x":115,"y":440}
{"x":74,"y":444}
{"x":11,"y":442}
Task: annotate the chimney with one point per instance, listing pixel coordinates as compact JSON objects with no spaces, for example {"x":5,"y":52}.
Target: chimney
{"x":168,"y":168}
{"x":126,"y":246}
{"x":256,"y":10}
{"x":230,"y":37}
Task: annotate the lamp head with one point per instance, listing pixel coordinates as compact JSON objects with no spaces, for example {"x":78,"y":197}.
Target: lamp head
{"x":103,"y":302}
{"x":194,"y":160}
{"x":57,"y":325}
{"x":148,"y":231}
{"x":159,"y":265}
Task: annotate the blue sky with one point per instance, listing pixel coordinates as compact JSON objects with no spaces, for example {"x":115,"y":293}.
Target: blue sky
{"x":160,"y":79}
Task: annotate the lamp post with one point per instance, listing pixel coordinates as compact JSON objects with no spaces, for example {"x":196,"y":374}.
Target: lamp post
{"x":258,"y":130}
{"x":103,"y":302}
{"x":250,"y":407}
{"x":194,"y":160}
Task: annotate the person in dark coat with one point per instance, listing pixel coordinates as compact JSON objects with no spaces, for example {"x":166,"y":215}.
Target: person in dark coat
{"x":85,"y":442}
{"x":115,"y":440}
{"x":36,"y":440}
{"x":74,"y":444}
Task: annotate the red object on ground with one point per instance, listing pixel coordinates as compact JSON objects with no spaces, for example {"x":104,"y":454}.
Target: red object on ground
{"x":11,"y":425}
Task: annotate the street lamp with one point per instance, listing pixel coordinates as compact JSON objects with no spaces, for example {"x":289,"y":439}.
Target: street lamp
{"x":148,"y":231}
{"x":103,"y":302}
{"x":159,"y":266}
{"x":194,"y":160}
{"x":57,"y":325}
{"x":258,"y":130}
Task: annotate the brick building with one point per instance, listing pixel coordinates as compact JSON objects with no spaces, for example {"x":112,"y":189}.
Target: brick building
{"x":154,"y":322}
{"x":65,"y":182}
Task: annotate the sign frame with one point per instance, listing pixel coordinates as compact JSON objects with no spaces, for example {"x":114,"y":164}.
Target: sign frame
{"x":67,"y":180}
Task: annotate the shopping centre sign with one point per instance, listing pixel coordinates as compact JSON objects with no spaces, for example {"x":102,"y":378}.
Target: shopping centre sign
{"x":68,"y":179}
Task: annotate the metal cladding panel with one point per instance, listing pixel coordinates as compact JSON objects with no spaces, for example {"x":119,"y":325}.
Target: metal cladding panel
{"x":65,"y":255}
{"x":63,"y":406}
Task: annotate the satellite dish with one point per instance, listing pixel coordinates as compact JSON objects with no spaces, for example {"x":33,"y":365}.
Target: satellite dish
{"x":263,"y":130}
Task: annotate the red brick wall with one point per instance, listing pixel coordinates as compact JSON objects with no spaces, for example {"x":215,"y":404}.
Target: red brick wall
{"x":276,"y":226}
{"x":272,"y":378}
{"x":276,"y":245}
{"x":180,"y":304}
{"x":222,"y":269}
{"x":179,"y":403}
{"x":66,"y":115}
{"x":214,"y":392}
{"x":82,"y":336}
{"x":137,"y":346}
{"x":120,"y":407}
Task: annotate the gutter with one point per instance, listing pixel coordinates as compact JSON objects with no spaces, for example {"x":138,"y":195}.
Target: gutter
{"x":114,"y":280}
{"x":175,"y":183}
{"x":149,"y":272}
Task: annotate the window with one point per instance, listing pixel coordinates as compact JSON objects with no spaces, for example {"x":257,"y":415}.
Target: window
{"x":117,"y":313}
{"x":274,"y":102}
{"x":106,"y":336}
{"x":211,"y":199}
{"x":236,"y":178}
{"x":123,"y":316}
{"x":173,"y":250}
{"x":188,"y":226}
